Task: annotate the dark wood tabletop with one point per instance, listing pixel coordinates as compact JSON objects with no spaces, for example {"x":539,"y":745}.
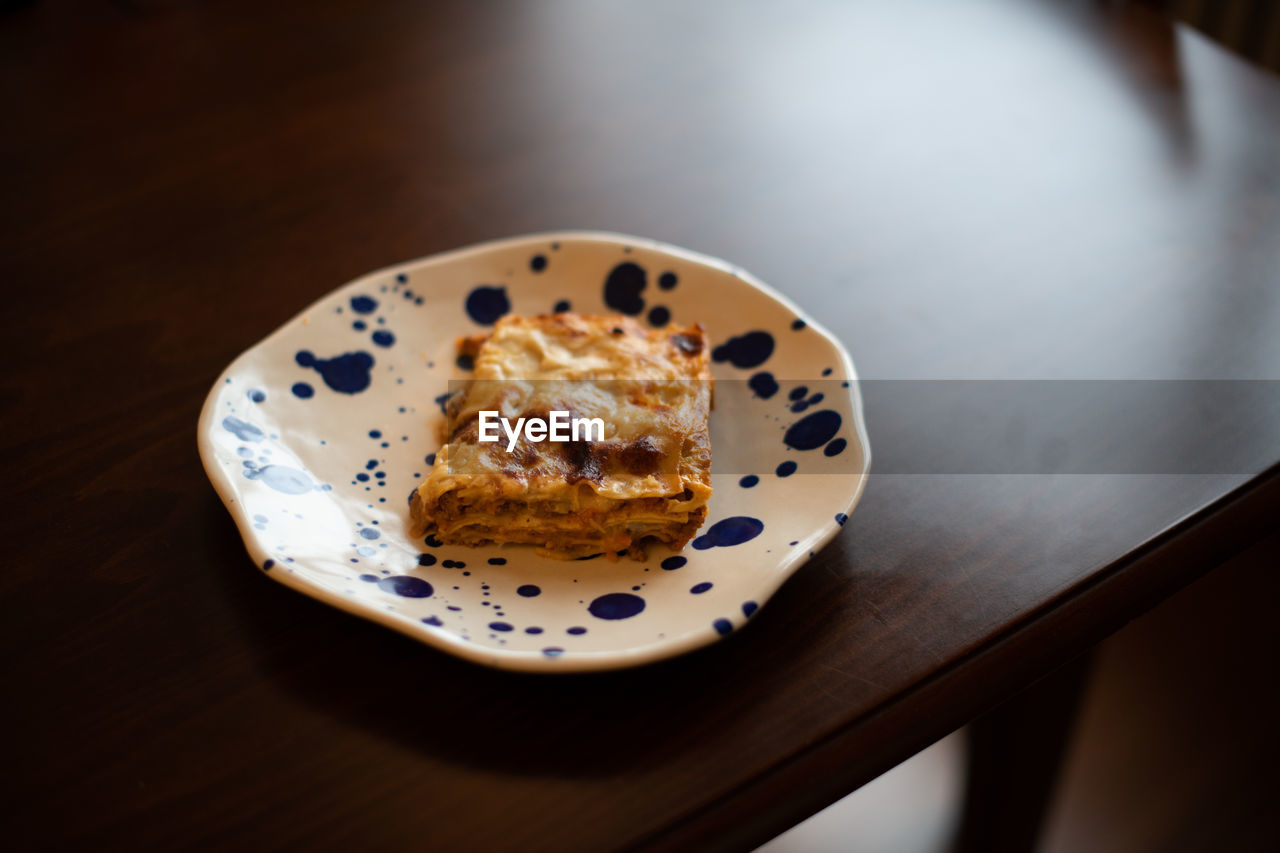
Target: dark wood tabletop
{"x":986,"y":191}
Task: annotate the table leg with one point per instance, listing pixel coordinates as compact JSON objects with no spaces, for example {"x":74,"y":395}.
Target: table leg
{"x":1015,"y":751}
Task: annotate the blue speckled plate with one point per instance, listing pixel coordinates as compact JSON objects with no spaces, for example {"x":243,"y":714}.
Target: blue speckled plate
{"x":315,"y":438}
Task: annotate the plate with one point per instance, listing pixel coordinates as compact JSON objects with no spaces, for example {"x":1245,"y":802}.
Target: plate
{"x":315,"y":438}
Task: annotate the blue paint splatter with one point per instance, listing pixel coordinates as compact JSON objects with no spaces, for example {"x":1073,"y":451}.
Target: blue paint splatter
{"x":500,"y":626}
{"x":729,"y":531}
{"x":826,"y":371}
{"x":242,"y":430}
{"x":528,"y":590}
{"x":426,"y":559}
{"x":763,"y":385}
{"x":616,"y":605}
{"x":659,"y":316}
{"x":257,"y":396}
{"x":369,"y":533}
{"x":346,"y":374}
{"x":266,"y":567}
{"x":303,"y":391}
{"x":497,"y":561}
{"x":465,"y":361}
{"x":672,"y":563}
{"x":364,"y":304}
{"x":561,"y":307}
{"x":282,"y":478}
{"x":668,"y":280}
{"x":722,"y":626}
{"x":749,"y":607}
{"x":406,"y":586}
{"x":813,"y":430}
{"x":748,"y":481}
{"x":433,"y":621}
{"x":700,"y":588}
{"x":835,"y":448}
{"x":841,"y":518}
{"x":623,"y":286}
{"x":553,"y":651}
{"x":533,"y":629}
{"x":786,"y":469}
{"x":383,"y":338}
{"x":369,"y":578}
{"x":797,"y":392}
{"x":366,"y":551}
{"x":486,"y":304}
{"x":797,"y":324}
{"x":749,"y":350}
{"x":576,"y":631}
{"x":538,"y":263}
{"x":359,"y":325}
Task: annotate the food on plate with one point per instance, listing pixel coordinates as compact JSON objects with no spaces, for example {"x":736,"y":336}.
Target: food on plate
{"x":580,"y":435}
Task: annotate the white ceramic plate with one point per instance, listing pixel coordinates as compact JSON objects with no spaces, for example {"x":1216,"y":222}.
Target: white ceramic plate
{"x":316,"y":436}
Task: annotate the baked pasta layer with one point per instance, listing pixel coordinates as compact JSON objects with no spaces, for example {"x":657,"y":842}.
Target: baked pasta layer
{"x":647,"y":480}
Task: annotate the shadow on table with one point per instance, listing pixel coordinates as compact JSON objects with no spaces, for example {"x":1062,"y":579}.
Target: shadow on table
{"x":366,"y":675}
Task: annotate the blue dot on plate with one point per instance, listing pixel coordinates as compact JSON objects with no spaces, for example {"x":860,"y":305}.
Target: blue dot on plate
{"x":529,"y":590}
{"x":729,"y":531}
{"x":369,"y":533}
{"x":616,"y":605}
{"x":577,"y":631}
{"x":364,"y":304}
{"x":786,"y":469}
{"x":763,"y":385}
{"x":257,"y":396}
{"x":659,"y":316}
{"x":383,"y":338}
{"x":841,"y":518}
{"x":500,"y":626}
{"x":813,"y":431}
{"x":538,"y":263}
{"x":749,"y":607}
{"x":406,"y":586}
{"x":749,"y":350}
{"x":623,"y":286}
{"x":561,"y":307}
{"x":699,"y":588}
{"x":835,"y":448}
{"x":748,"y":481}
{"x":722,"y":626}
{"x":672,"y":563}
{"x":486,"y":304}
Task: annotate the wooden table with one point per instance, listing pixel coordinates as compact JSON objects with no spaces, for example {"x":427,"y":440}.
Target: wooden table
{"x":982,"y":191}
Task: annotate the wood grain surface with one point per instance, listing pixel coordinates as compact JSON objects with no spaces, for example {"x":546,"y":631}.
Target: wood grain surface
{"x":988,"y":190}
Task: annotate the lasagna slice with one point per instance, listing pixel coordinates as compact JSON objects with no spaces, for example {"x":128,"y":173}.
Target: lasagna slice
{"x":646,"y":479}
